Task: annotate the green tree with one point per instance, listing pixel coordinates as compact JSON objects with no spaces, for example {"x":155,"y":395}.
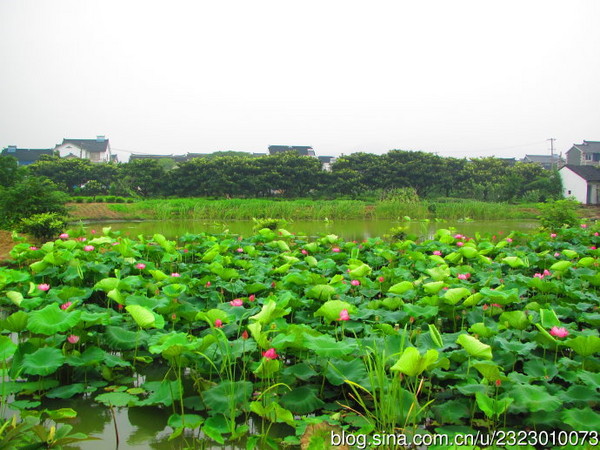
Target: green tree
{"x":67,"y":173}
{"x":144,"y":177}
{"x":30,"y":196}
{"x":9,"y":170}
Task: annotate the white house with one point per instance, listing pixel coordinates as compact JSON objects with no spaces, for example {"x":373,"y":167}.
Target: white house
{"x":585,"y":154}
{"x":96,"y":150}
{"x":581,"y":182}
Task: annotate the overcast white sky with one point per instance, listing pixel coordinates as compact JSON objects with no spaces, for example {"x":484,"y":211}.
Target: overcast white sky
{"x":461,"y":78}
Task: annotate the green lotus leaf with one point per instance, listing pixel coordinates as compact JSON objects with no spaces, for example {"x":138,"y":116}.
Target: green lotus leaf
{"x":67,"y":391}
{"x":338,"y":371}
{"x":453,"y":296}
{"x":169,"y":246}
{"x":570,"y":253}
{"x":142,"y":316}
{"x":500,"y":296}
{"x":92,"y":356}
{"x":7,"y":348}
{"x":474,"y":347}
{"x":311,"y":261}
{"x":489,"y":370}
{"x":468,"y":252}
{"x":417,"y":311}
{"x":481,"y":330}
{"x":302,"y":400}
{"x":267,"y":368}
{"x":580,"y":394}
{"x":584,"y":345}
{"x":158,"y":275}
{"x":107,"y":284}
{"x":327,"y":347}
{"x":321,"y":292}
{"x":173,"y":344}
{"x":43,"y":361}
{"x":516,"y":319}
{"x":186,"y":421}
{"x":514,"y":261}
{"x":560,"y":266}
{"x":116,"y":399}
{"x":492,"y":407}
{"x":16,"y":322}
{"x":439,"y":273}
{"x":212,"y":315}
{"x":548,"y":318}
{"x":269,"y":312}
{"x":62,"y":413}
{"x":119,"y":338}
{"x":301,"y":371}
{"x":359,"y":270}
{"x":412,"y":363}
{"x":15,"y":297}
{"x":529,"y":397}
{"x":161,"y":393}
{"x":51,"y":320}
{"x":433,"y":287}
{"x":331,"y":309}
{"x":228,"y":393}
{"x":586,"y":262}
{"x":472,"y":300}
{"x":436,"y":337}
{"x":401,"y":288}
{"x":174,"y":290}
{"x":585,"y":419}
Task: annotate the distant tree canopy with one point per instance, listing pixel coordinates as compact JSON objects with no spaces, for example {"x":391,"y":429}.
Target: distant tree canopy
{"x":237,"y":174}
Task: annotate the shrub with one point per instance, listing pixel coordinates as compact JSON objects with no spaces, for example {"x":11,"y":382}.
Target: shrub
{"x":110,"y":199}
{"x":556,"y":214}
{"x":271,"y":224}
{"x":43,"y":226}
{"x":30,"y":196}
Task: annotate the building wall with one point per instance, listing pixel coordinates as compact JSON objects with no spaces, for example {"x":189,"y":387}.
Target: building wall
{"x":573,"y":185}
{"x":574,"y":157}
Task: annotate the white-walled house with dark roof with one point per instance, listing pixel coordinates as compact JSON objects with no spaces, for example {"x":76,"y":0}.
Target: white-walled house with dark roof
{"x":584,"y":154}
{"x":582,"y":183}
{"x":96,"y":150}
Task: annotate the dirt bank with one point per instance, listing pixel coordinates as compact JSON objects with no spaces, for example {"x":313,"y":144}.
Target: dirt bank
{"x":96,"y":211}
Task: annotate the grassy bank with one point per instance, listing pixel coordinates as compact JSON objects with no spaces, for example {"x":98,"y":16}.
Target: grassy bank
{"x":244,"y":209}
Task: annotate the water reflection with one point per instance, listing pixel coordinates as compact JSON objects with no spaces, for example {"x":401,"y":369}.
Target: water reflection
{"x":347,"y":229}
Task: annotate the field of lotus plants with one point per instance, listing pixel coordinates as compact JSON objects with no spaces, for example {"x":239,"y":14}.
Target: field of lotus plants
{"x":456,"y":334}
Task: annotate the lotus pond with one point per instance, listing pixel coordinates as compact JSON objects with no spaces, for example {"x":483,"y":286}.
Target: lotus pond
{"x":278,"y":340}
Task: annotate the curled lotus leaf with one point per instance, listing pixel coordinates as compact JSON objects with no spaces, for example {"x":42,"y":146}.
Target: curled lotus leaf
{"x":51,"y":320}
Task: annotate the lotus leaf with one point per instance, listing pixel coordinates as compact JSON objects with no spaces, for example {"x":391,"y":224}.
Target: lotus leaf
{"x":412,"y":363}
{"x":43,"y":361}
{"x":474,"y":347}
{"x":51,"y":320}
{"x":302,"y":400}
{"x":331,"y":309}
{"x":584,"y":345}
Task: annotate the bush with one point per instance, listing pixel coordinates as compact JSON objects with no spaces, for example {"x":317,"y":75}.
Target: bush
{"x":557,"y":214}
{"x":43,"y":226}
{"x":30,"y":196}
{"x":110,"y":199}
{"x":271,"y":224}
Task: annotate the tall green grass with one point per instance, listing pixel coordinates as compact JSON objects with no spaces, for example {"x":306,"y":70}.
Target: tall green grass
{"x":304,"y":209}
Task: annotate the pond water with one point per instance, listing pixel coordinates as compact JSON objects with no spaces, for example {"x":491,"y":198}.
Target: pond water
{"x":346,"y":229}
{"x":146,"y":428}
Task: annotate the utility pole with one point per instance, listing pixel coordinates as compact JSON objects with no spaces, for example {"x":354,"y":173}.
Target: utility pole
{"x":551,"y":151}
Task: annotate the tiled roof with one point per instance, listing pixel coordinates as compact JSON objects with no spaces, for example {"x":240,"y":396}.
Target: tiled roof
{"x":588,"y":173}
{"x":589,"y":146}
{"x":542,"y":159}
{"x":26,"y":154}
{"x":91,"y":145}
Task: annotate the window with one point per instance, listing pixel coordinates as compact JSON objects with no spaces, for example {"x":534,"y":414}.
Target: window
{"x":588,"y":157}
{"x":568,"y":192}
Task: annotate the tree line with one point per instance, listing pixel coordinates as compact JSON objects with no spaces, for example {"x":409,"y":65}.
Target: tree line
{"x":290,"y":175}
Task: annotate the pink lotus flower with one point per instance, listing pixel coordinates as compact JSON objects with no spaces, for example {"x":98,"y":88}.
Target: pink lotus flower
{"x":64,"y":236}
{"x":464,"y":276}
{"x":381,"y":279}
{"x":66,"y":305}
{"x":175,"y":274}
{"x":335,"y":249}
{"x":270,"y":354}
{"x":245,"y":335}
{"x":538,"y":275}
{"x":33,"y":247}
{"x":88,"y":248}
{"x":596,"y":234}
{"x":304,"y":252}
{"x":344,"y":315}
{"x":458,"y":236}
{"x":114,"y":243}
{"x":583,"y":225}
{"x":218,"y":323}
{"x":43,"y":287}
{"x":93,"y":231}
{"x":140,"y":266}
{"x":556,"y":254}
{"x":173,"y":316}
{"x":593,"y":247}
{"x":207,"y":284}
{"x":73,"y":339}
{"x":509,"y":240}
{"x":498,"y":382}
{"x":460,"y":243}
{"x":240,"y":250}
{"x":496,"y":305}
{"x":437,"y":253}
{"x":251,"y":298}
{"x":559,"y":332}
{"x":82,"y":239}
{"x":185,"y":250}
{"x":355,"y":283}
{"x":236,"y":302}
{"x":553,"y":235}
{"x":546,"y":273}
